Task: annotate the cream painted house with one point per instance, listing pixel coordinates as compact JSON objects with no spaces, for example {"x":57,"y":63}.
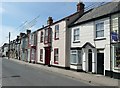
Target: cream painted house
{"x":94,"y":43}
{"x":53,"y":40}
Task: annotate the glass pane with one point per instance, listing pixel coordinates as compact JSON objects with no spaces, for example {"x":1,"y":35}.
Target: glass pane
{"x":100,"y":26}
{"x":73,"y":58}
{"x":73,"y":51}
{"x":117,"y":56}
{"x":100,"y":34}
{"x":79,"y":57}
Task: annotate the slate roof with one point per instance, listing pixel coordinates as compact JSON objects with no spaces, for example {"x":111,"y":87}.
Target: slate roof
{"x":103,"y":10}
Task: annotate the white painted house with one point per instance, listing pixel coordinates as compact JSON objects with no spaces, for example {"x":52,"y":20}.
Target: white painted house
{"x":53,"y":40}
{"x":92,"y":48}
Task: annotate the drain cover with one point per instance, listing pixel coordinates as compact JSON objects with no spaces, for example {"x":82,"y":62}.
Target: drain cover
{"x":15,"y":76}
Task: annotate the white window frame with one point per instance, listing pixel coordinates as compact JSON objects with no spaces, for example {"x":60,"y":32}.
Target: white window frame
{"x":57,"y":28}
{"x":74,"y":35}
{"x":101,"y":22}
{"x":114,"y":56}
{"x":78,"y":56}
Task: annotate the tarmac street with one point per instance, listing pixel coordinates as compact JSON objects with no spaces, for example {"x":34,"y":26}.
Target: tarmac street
{"x":20,"y":73}
{"x":17,"y":74}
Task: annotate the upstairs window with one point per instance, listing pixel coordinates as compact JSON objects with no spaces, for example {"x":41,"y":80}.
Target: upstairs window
{"x":56,"y":32}
{"x":56,"y":55}
{"x":76,"y":35}
{"x":41,"y":38}
{"x":46,"y":36}
{"x":100,"y":30}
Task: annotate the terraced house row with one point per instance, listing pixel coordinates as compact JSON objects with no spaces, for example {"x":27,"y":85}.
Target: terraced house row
{"x":84,"y":41}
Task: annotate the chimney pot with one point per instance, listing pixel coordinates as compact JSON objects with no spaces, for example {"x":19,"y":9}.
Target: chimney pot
{"x":80,"y":7}
{"x":50,"y":21}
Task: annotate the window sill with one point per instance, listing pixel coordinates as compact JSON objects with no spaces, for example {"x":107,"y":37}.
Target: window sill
{"x":97,"y":39}
{"x":116,"y":68}
{"x":75,"y":64}
{"x":55,"y":62}
{"x":56,"y":38}
{"x":76,"y":41}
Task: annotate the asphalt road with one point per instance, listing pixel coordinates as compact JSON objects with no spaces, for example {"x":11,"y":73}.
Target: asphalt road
{"x":16,"y":74}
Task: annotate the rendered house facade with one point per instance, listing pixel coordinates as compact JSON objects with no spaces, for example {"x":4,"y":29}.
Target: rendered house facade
{"x":91,"y":42}
{"x":33,"y":51}
{"x":53,"y":44}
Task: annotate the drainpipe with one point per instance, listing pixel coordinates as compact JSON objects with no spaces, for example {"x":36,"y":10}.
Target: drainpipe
{"x":111,"y":75}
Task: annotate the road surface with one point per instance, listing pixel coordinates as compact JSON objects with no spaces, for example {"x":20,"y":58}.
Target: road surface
{"x":16,"y":74}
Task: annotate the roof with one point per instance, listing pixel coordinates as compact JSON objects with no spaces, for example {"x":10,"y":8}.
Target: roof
{"x":106,"y":9}
{"x":59,"y":20}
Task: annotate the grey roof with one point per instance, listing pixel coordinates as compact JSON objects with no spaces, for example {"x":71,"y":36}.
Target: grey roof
{"x":105,"y":9}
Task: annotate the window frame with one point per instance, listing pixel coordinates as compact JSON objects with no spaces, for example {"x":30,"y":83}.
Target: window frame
{"x":56,"y":51}
{"x":115,"y":56}
{"x":41,"y":55}
{"x":76,"y":35}
{"x":101,"y":30}
{"x":46,"y":36}
{"x":41,"y":37}
{"x":78,"y":59}
{"x":57,"y":31}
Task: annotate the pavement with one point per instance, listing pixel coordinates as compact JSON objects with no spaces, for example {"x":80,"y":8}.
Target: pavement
{"x":99,"y":80}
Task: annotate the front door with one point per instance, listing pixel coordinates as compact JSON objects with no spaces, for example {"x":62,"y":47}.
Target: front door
{"x":47,"y":55}
{"x":100,"y":63}
{"x":89,"y":60}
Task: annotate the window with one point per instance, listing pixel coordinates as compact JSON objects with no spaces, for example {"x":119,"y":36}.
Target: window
{"x":46,"y":36}
{"x":117,"y":56}
{"x":75,"y":57}
{"x":41,"y":39}
{"x":56,"y":54}
{"x":100,"y":30}
{"x":56,"y":32}
{"x":76,"y":34}
{"x":41,"y":54}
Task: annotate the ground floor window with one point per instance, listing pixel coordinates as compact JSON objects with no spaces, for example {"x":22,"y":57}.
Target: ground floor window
{"x":41,"y":55}
{"x":116,"y":55}
{"x":75,"y":57}
{"x":33,"y":54}
{"x":56,"y":55}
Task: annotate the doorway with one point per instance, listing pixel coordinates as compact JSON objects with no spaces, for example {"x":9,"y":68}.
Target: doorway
{"x":89,"y":60}
{"x":47,"y":55}
{"x":100,"y":63}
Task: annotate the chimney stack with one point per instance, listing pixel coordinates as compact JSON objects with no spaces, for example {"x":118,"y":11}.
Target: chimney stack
{"x":28,"y":32}
{"x":22,"y":34}
{"x":80,"y":7}
{"x":49,"y":21}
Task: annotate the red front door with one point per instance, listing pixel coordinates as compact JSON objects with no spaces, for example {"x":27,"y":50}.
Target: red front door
{"x":47,"y":55}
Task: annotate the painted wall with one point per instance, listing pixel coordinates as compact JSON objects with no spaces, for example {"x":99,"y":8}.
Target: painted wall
{"x":87,"y":34}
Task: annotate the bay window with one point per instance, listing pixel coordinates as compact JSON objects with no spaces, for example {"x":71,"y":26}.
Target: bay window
{"x":75,"y":57}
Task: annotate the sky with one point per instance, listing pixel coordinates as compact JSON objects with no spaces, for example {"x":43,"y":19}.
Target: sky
{"x":15,"y":14}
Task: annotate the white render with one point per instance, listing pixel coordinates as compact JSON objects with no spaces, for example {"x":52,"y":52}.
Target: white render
{"x":87,"y":34}
{"x":63,"y":43}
